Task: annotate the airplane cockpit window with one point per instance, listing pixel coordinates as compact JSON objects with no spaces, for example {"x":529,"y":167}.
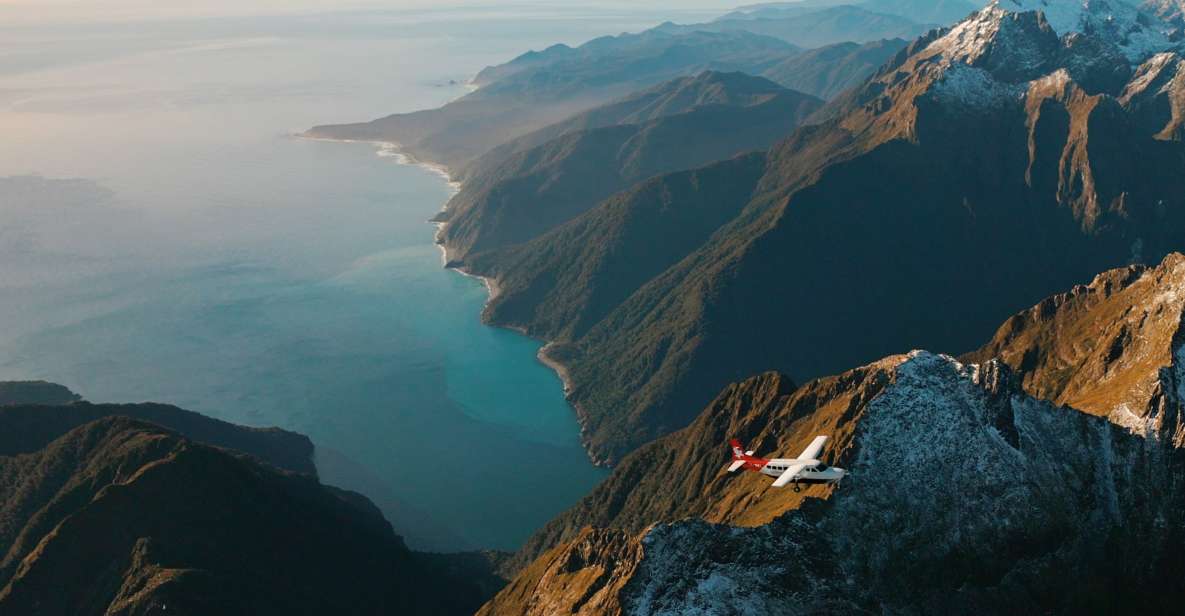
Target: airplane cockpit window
{"x":821,"y":467}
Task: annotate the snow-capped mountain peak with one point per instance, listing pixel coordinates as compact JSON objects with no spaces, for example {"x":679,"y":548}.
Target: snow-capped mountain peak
{"x":1138,"y":32}
{"x":1011,"y":45}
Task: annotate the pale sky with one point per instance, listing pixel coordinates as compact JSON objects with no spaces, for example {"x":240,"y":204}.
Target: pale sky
{"x":15,"y":12}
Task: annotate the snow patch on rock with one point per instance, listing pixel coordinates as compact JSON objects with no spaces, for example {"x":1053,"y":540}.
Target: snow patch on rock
{"x":1139,"y":34}
{"x":975,"y":88}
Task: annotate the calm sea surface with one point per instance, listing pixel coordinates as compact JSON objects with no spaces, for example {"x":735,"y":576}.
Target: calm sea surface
{"x":164,"y":238}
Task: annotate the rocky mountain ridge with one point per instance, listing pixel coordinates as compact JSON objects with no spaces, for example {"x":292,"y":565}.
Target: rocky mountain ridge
{"x":1059,"y":120}
{"x":967,"y":493}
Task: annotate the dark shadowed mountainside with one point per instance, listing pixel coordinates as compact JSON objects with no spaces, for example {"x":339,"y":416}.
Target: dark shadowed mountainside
{"x":564,"y":282}
{"x":688,"y":122}
{"x":983,"y":168}
{"x":119,"y":516}
{"x":35,"y":392}
{"x":28,"y":428}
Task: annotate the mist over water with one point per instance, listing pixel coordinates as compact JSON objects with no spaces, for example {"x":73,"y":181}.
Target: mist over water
{"x":165,"y":238}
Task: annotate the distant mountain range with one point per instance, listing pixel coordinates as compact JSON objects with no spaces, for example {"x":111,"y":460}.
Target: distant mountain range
{"x":939,"y":12}
{"x":816,"y":27}
{"x":828,"y":71}
{"x":535,"y":90}
{"x":972,"y":489}
{"x":540,"y":88}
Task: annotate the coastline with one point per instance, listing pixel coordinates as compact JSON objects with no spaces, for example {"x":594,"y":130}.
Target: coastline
{"x":391,"y":149}
{"x":558,"y":367}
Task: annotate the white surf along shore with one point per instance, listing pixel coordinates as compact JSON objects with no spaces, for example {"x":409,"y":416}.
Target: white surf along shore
{"x":391,"y":149}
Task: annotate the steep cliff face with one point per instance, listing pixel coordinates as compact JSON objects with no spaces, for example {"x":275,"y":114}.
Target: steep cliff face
{"x":981,"y":169}
{"x":974,"y":486}
{"x":517,"y":193}
{"x":118,"y":516}
{"x":1109,"y":348}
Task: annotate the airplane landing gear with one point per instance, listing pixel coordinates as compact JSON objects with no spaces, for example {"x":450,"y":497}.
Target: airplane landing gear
{"x":796,"y":488}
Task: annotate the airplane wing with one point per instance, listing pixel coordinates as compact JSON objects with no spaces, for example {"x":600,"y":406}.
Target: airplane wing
{"x":812,"y":451}
{"x":789,"y":474}
{"x":735,"y":465}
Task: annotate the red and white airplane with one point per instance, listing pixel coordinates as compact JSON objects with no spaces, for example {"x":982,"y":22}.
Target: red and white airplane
{"x":806,"y":468}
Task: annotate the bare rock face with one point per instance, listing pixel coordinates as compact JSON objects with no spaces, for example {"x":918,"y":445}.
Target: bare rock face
{"x":582,"y":576}
{"x":1004,"y":481}
{"x":1112,"y":348}
{"x":965,"y":495}
{"x":1157,"y":95}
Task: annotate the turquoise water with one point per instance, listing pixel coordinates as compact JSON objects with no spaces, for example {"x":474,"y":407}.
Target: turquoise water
{"x":165,"y":238}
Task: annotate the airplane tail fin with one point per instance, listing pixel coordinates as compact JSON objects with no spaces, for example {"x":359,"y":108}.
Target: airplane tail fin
{"x":738,"y":451}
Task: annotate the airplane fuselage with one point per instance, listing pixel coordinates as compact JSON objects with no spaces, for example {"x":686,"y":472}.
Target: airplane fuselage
{"x":815,"y":472}
{"x":806,"y":468}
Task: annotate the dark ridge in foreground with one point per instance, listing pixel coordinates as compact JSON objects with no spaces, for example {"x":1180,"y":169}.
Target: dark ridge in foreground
{"x":28,"y":428}
{"x":119,"y":516}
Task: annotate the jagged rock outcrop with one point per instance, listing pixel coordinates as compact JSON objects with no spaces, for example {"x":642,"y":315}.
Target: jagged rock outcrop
{"x":1110,"y":348}
{"x":966,"y":495}
{"x":1156,"y":95}
{"x":768,"y":413}
{"x":118,"y":516}
{"x":981,"y":169}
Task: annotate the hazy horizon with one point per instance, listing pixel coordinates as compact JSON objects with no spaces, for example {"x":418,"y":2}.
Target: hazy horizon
{"x":23,"y":12}
{"x":166,"y":238}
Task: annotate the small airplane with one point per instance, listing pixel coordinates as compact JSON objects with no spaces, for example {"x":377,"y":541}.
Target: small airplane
{"x":806,"y":468}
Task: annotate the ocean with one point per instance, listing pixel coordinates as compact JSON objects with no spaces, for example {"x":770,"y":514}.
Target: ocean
{"x":166,"y":238}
